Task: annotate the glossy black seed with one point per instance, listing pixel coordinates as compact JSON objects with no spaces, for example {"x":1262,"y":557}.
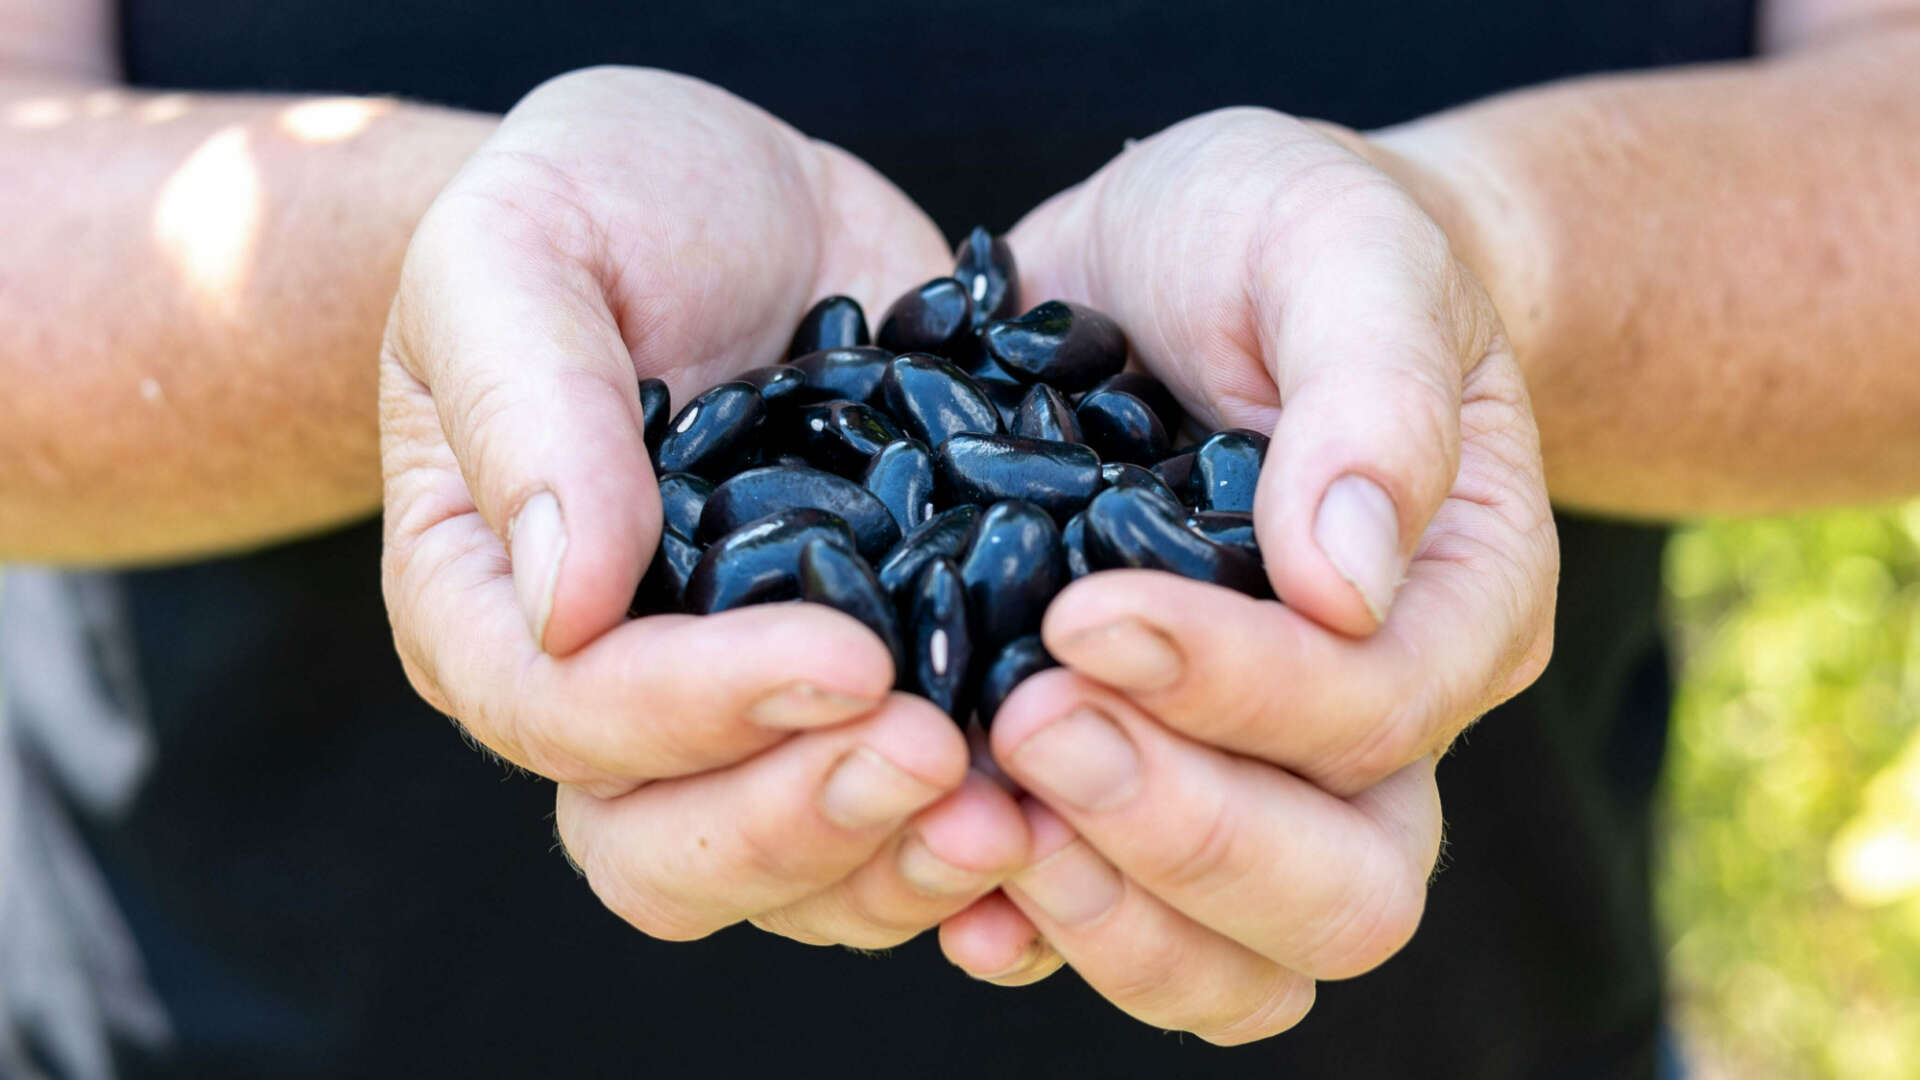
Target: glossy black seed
{"x":834,"y":323}
{"x":1045,"y":413}
{"x":1006,"y":391}
{"x":901,"y":477}
{"x":1226,"y":469}
{"x":1132,"y":527}
{"x":945,"y":535}
{"x":849,"y":374}
{"x":839,"y":436}
{"x":655,"y":410}
{"x":710,"y":435}
{"x":1058,"y":477}
{"x":1120,"y":427}
{"x":663,"y":588}
{"x":1123,"y":474}
{"x":831,"y":575}
{"x":1018,"y":661}
{"x":1073,"y":540}
{"x":933,"y":400}
{"x":1066,"y":345}
{"x":760,"y":563}
{"x":1014,"y":565}
{"x":1153,"y":392}
{"x":1176,"y":471}
{"x":983,"y":264}
{"x":756,"y":493}
{"x":939,"y":649}
{"x":933,"y":318}
{"x":779,"y":384}
{"x":682,"y":496}
{"x":1230,"y":527}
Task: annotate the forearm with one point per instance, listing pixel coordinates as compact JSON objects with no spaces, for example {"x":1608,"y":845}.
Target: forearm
{"x":1710,"y":275}
{"x":192,"y":293}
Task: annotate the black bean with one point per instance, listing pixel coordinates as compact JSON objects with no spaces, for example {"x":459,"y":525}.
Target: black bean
{"x":1176,"y":471}
{"x":1058,"y":477}
{"x":1018,"y":661}
{"x":940,"y":651}
{"x":1122,"y":474}
{"x":1067,"y":345}
{"x":1045,"y":413}
{"x":1229,"y":527}
{"x":682,"y":496}
{"x":934,"y":400}
{"x":664,"y":586}
{"x":1006,"y":391}
{"x":1133,"y":527}
{"x":1226,"y":469}
{"x":1153,"y":392}
{"x":756,"y":493}
{"x":944,"y":535}
{"x":834,"y":323}
{"x":901,"y":476}
{"x":779,"y":384}
{"x":655,"y":410}
{"x":839,"y":436}
{"x":983,"y":263}
{"x":831,"y":575}
{"x":933,"y":318}
{"x":1120,"y":427}
{"x":1073,"y":540}
{"x":1014,"y":565}
{"x":710,"y":434}
{"x":760,"y":562}
{"x":849,"y":374}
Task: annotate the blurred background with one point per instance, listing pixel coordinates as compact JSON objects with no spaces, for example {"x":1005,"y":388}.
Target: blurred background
{"x":1789,"y":883}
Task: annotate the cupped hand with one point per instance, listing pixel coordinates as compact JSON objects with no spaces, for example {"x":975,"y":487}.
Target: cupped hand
{"x":1234,"y":797}
{"x":623,"y":224}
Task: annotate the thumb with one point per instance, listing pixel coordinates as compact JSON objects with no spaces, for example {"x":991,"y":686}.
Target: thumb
{"x":537,"y":398}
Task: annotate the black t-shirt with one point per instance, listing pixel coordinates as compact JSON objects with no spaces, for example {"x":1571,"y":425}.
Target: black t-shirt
{"x":325,"y":880}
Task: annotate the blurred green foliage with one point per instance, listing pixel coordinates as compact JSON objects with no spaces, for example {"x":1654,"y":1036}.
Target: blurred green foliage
{"x":1790,"y":876}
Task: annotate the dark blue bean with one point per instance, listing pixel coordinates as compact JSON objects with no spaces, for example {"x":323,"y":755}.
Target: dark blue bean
{"x":1230,"y":527}
{"x":1122,"y":474}
{"x":1153,"y":392}
{"x":779,"y":384}
{"x":933,"y":400}
{"x":1019,"y":661}
{"x":1066,"y":345}
{"x":1226,"y":469}
{"x":1045,"y":413}
{"x":939,"y":649}
{"x":1058,"y":477}
{"x":1073,"y":540}
{"x":1014,"y":565}
{"x":849,"y":374}
{"x":682,"y":496}
{"x":1133,"y":527}
{"x":760,"y":562}
{"x":945,"y":535}
{"x":834,"y":323}
{"x":1006,"y":391}
{"x":839,"y":436}
{"x":983,"y":263}
{"x":655,"y":410}
{"x":901,"y":476}
{"x":1176,"y":471}
{"x":663,"y":589}
{"x":1120,"y":427}
{"x":756,"y":493}
{"x":831,"y":575}
{"x":933,"y":318}
{"x":709,"y":436}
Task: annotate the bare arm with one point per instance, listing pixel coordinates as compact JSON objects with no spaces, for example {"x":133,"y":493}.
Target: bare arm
{"x":192,"y":291}
{"x":1711,"y":275}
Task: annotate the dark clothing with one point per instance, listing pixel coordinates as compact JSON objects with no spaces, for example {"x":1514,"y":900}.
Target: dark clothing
{"x":324,"y":879}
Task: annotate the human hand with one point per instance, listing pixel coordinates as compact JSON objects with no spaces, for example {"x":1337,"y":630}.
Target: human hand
{"x":1235,"y":797}
{"x":624,"y":224}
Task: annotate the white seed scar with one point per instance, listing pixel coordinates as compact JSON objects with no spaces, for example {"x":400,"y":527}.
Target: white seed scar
{"x":818,"y":424}
{"x":979,"y":288}
{"x":937,"y":651}
{"x":926,"y":512}
{"x":687,"y":421}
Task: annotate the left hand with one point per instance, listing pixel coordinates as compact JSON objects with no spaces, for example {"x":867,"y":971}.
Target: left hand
{"x":1232,"y":798}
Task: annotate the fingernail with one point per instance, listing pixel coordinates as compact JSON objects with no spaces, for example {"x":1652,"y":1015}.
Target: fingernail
{"x":804,"y":705}
{"x":1081,"y":759}
{"x":1359,"y":532}
{"x":1127,"y":654}
{"x":931,"y":874}
{"x":866,"y":790}
{"x":1073,"y":886}
{"x":536,"y":542}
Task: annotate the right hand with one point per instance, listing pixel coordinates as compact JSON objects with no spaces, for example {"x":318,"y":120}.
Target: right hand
{"x":751,"y":765}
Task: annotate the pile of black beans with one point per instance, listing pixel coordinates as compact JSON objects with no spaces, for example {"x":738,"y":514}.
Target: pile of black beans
{"x":942,"y":483}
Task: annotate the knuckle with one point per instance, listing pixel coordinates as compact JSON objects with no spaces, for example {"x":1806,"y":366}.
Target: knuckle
{"x":768,"y":852}
{"x":1151,"y":984}
{"x":1282,"y":1006}
{"x":1380,"y":748}
{"x":1387,"y":904}
{"x":642,"y":906}
{"x":1204,"y":856}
